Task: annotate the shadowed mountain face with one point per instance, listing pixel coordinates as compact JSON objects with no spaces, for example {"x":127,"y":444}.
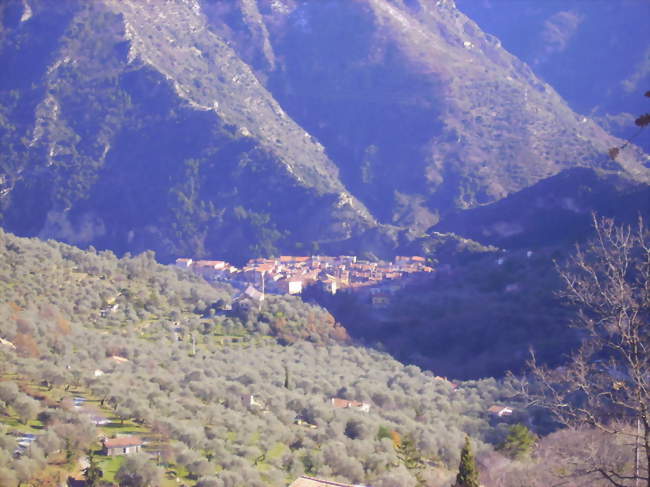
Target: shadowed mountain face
{"x":596,"y":53}
{"x":557,"y":211}
{"x":252,"y":127}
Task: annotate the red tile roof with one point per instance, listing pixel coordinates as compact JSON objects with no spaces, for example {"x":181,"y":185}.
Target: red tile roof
{"x":122,"y":442}
{"x":344,"y":403}
{"x":304,"y":481}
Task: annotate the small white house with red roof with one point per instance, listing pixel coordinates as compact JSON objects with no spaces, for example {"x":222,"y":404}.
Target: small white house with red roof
{"x":122,"y":445}
{"x":500,"y":411}
{"x":338,"y":403}
{"x":305,"y":481}
{"x":184,"y":263}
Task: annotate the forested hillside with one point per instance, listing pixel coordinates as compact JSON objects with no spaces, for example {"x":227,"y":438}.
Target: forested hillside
{"x":390,"y":130}
{"x":478,"y":316}
{"x":184,"y":380}
{"x":97,"y":347}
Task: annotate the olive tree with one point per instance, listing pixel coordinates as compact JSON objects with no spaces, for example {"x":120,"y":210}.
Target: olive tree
{"x":138,"y":471}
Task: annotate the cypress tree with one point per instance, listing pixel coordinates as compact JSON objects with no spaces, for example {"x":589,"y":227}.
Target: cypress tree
{"x":92,"y":473}
{"x":286,"y":377}
{"x":467,"y":470}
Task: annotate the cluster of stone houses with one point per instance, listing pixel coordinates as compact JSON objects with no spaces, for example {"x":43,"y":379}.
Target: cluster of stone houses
{"x":291,"y":274}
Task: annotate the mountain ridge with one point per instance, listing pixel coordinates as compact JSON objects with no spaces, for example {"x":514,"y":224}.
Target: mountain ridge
{"x":255,"y":128}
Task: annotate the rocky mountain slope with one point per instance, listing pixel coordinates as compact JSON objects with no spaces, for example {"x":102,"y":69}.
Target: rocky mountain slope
{"x":595,"y":53}
{"x":253,"y":127}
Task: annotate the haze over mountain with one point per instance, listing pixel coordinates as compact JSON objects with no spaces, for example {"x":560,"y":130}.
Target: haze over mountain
{"x":255,"y":127}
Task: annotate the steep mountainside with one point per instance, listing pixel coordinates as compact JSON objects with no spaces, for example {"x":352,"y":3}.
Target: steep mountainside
{"x":556,"y":211}
{"x":137,"y":140}
{"x":253,"y":127}
{"x":596,"y":53}
{"x":421,"y":110}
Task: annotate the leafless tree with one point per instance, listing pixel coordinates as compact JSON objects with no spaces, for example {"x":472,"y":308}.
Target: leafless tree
{"x":606,"y":383}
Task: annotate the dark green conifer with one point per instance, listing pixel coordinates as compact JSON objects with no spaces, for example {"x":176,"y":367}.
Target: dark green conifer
{"x":286,"y":377}
{"x":467,"y":470}
{"x":519,"y":443}
{"x":92,"y":473}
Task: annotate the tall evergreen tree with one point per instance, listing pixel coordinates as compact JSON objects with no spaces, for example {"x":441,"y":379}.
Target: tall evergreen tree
{"x":286,"y":377}
{"x":467,"y":470}
{"x":519,"y":443}
{"x":92,"y":473}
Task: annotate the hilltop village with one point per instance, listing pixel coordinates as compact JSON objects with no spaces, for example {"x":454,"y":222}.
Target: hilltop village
{"x":292,"y":274}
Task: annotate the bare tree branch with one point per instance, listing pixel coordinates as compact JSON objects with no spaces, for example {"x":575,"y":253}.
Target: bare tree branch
{"x":605,"y":384}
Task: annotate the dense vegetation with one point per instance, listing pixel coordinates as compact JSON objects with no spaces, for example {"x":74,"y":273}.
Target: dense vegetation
{"x":182,"y":376}
{"x":478,"y":316}
{"x":561,"y":214}
{"x":68,"y":312}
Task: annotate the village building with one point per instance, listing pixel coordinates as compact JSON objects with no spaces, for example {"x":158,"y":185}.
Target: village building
{"x":403,"y":259}
{"x":500,"y":411}
{"x":290,"y":259}
{"x":184,"y":263}
{"x":305,"y":481}
{"x":290,"y":285}
{"x":98,"y":419}
{"x":254,"y":274}
{"x":347,"y":259}
{"x":209,"y":269}
{"x":209,"y":264}
{"x":338,"y":403}
{"x":453,"y":385}
{"x":122,"y":445}
{"x":250,"y":401}
{"x":380,"y":300}
{"x":248,"y":299}
{"x":289,"y":274}
{"x":253,"y":294}
{"x":329,"y":285}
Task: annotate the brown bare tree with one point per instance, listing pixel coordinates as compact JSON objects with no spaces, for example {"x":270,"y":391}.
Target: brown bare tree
{"x":606,"y":383}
